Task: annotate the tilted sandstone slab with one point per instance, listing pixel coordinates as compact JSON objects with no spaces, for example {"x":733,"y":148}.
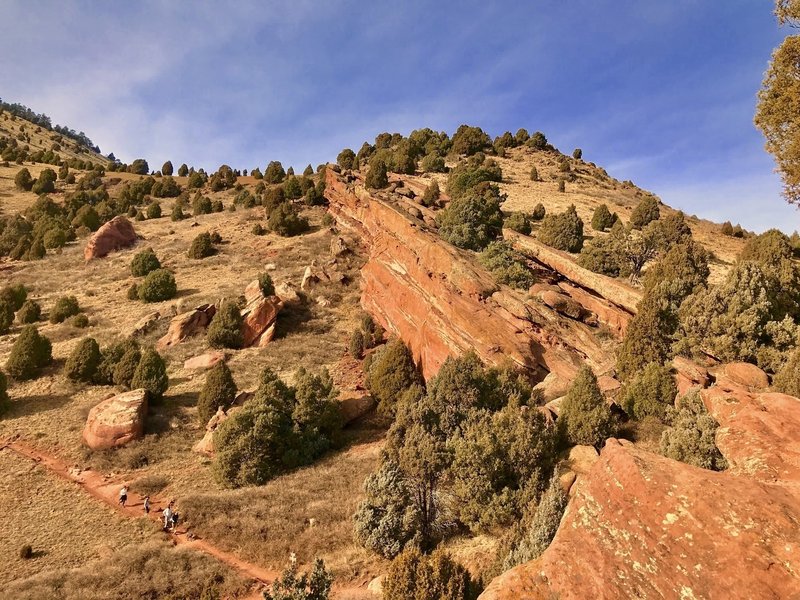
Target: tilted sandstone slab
{"x":442,"y":303}
{"x":259,"y":316}
{"x":643,"y":526}
{"x":117,"y":234}
{"x":613,"y":301}
{"x":187,"y":324}
{"x":116,"y":421}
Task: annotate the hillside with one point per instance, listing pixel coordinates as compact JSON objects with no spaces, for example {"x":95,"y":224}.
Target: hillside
{"x":33,"y":138}
{"x":330,"y":281}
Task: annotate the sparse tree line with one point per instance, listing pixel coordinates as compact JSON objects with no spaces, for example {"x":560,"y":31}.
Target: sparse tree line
{"x":427,"y":150}
{"x":48,"y":225}
{"x":42,"y":120}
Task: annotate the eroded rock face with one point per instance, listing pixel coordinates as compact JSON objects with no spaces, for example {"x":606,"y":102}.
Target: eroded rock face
{"x":259,"y":316}
{"x":188,"y":324}
{"x":117,"y":234}
{"x":640,"y":525}
{"x":440,"y":301}
{"x":613,"y":291}
{"x":206,"y":443}
{"x":689,"y":375}
{"x":563,"y":304}
{"x":116,"y":421}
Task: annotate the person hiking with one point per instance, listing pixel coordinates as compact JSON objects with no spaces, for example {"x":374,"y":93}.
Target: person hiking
{"x":147,"y":505}
{"x":167,"y":516}
{"x":175,"y":518}
{"x":123,"y":495}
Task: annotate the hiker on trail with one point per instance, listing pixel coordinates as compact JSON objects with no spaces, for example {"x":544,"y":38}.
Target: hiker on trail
{"x":123,"y":495}
{"x":167,"y":516}
{"x":175,"y":518}
{"x":147,"y":505}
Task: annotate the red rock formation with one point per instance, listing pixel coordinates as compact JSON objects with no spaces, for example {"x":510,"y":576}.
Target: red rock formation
{"x":116,"y":421}
{"x":689,"y":375}
{"x":204,"y":361}
{"x":118,"y":233}
{"x":441,"y":302}
{"x":643,"y":526}
{"x":611,"y":300}
{"x":744,"y":375}
{"x":187,"y":324}
{"x":206,"y":443}
{"x":259,"y":316}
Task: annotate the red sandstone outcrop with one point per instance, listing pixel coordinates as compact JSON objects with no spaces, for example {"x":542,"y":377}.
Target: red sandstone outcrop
{"x":743,"y":374}
{"x":689,"y":375}
{"x":206,"y":443}
{"x":117,"y":234}
{"x":615,"y":291}
{"x":441,"y":302}
{"x":116,"y":421}
{"x":204,"y":361}
{"x":643,"y":526}
{"x":259,"y":316}
{"x":612,"y":301}
{"x":187,"y":324}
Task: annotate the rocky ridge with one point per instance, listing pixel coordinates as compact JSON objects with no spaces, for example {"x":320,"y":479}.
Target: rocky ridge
{"x":442,"y":302}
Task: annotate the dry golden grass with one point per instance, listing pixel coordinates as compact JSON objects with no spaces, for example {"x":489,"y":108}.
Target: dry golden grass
{"x":265,"y":524}
{"x":50,"y":411}
{"x":65,"y":527}
{"x":135,"y":572}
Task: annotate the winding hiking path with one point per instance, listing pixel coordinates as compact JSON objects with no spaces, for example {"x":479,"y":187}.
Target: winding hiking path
{"x":106,"y":490}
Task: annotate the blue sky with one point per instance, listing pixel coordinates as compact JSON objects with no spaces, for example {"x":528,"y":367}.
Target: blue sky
{"x":661,"y":93}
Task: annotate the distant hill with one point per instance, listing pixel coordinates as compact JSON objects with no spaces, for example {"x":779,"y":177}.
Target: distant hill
{"x":30,"y":136}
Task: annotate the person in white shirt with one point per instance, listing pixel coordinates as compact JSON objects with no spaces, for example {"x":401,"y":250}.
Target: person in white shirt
{"x":123,"y":495}
{"x":167,"y":517}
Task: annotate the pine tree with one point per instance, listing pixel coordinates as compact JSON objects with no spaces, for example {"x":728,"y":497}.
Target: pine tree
{"x":584,"y":416}
{"x":219,"y":390}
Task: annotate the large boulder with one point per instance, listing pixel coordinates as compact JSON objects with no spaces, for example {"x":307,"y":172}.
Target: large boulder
{"x":259,"y":316}
{"x":116,"y":421}
{"x":188,"y":324}
{"x":745,"y":375}
{"x":640,"y":525}
{"x":117,"y":234}
{"x":204,"y":361}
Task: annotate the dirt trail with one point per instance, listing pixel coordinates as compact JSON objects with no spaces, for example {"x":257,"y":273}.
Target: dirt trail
{"x":106,"y":490}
